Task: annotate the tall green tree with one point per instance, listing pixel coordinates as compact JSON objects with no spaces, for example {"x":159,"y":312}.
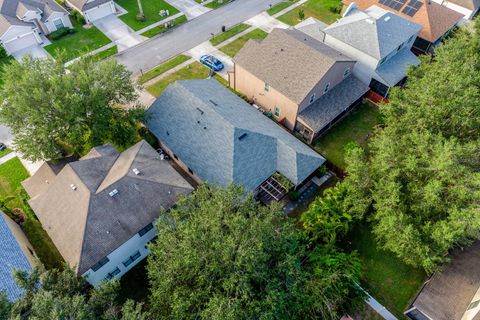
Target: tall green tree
{"x":221,"y":255}
{"x":422,"y":175}
{"x":52,"y":110}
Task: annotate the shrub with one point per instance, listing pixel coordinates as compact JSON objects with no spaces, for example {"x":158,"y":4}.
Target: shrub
{"x":293,"y":195}
{"x":79,"y":17}
{"x":301,"y":14}
{"x":336,"y":9}
{"x":3,"y":53}
{"x":60,"y":33}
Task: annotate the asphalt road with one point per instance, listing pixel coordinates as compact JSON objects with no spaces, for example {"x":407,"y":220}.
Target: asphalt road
{"x":154,"y":51}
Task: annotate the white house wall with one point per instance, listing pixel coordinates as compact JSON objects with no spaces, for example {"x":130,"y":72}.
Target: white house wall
{"x":57,"y":15}
{"x":121,"y":254}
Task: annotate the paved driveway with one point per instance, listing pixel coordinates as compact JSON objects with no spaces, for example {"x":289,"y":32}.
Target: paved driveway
{"x":189,"y":7}
{"x":35,"y":51}
{"x":117,"y":31}
{"x":162,"y":47}
{"x":207,"y":48}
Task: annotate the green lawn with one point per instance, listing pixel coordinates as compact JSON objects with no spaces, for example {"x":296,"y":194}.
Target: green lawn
{"x":385,"y":277}
{"x":78,"y":43}
{"x":232,"y":48}
{"x":102,"y":55}
{"x":12,"y":173}
{"x":192,"y":71}
{"x":357,"y":127}
{"x":320,"y":9}
{"x":162,"y":68}
{"x":215,"y":4}
{"x":280,"y":6}
{"x":221,"y":37}
{"x":151,"y":10}
{"x":160,"y":29}
{"x":5,"y":152}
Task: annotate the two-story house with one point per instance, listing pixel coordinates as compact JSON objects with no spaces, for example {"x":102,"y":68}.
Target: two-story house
{"x":380,"y":42}
{"x":23,"y":22}
{"x":99,"y":211}
{"x":305,"y":84}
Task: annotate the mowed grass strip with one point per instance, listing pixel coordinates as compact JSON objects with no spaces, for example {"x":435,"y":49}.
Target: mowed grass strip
{"x":151,"y":10}
{"x":193,"y":71}
{"x":161,"y":28}
{"x":232,"y":48}
{"x":162,"y":68}
{"x":221,"y":37}
{"x":319,"y":9}
{"x":280,"y":6}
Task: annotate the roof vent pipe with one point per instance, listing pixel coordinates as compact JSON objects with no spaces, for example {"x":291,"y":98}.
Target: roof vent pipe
{"x":136,"y":171}
{"x":73,"y":187}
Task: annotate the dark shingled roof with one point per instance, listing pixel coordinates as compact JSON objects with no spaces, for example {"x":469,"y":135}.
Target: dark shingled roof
{"x":449,"y":292}
{"x":87,"y":224}
{"x":330,"y":105}
{"x":223,"y":139}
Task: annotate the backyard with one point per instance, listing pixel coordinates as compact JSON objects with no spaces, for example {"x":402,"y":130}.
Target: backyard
{"x":78,"y":43}
{"x":12,"y":173}
{"x":323,"y":10}
{"x":192,"y":71}
{"x":151,"y":11}
{"x":356,"y":126}
{"x":232,"y":48}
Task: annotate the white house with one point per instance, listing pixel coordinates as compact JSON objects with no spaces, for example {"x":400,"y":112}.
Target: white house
{"x":93,"y":9}
{"x":379,"y":40}
{"x":22,"y":22}
{"x":100,"y":211}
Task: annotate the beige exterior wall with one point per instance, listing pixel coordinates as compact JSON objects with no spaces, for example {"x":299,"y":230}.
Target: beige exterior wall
{"x":22,"y":241}
{"x":254,"y":88}
{"x":179,"y":162}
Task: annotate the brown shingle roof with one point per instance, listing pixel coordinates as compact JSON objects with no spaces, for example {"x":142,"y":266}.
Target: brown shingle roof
{"x":87,"y":224}
{"x":434,"y":18}
{"x":289,"y":61}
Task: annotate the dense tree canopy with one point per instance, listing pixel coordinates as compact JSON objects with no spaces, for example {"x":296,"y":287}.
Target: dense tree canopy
{"x":61,"y":295}
{"x":422,"y":174}
{"x":221,"y":255}
{"x":51,"y":109}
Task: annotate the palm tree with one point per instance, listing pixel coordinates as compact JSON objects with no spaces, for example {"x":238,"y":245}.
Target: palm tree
{"x":140,"y":9}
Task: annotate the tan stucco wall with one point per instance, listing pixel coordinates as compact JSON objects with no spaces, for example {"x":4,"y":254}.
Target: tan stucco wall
{"x":254,"y":88}
{"x":22,"y":240}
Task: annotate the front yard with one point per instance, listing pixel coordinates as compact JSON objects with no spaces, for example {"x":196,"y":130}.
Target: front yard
{"x":162,"y":68}
{"x":76,"y":44}
{"x":161,"y":28}
{"x":12,"y":173}
{"x":323,"y":10}
{"x":356,"y":126}
{"x":221,"y":37}
{"x":151,"y":10}
{"x":232,"y":48}
{"x":280,"y":6}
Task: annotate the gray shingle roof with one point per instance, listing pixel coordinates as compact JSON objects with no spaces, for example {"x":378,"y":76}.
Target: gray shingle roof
{"x":289,"y":61}
{"x":448,"y":293}
{"x":395,"y":68}
{"x":10,"y":9}
{"x":334,"y":102}
{"x":375,"y":31}
{"x":11,"y":258}
{"x":223,"y":139}
{"x":87,"y":224}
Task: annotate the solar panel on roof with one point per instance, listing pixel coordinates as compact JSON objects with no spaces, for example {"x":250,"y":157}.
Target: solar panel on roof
{"x":412,"y":7}
{"x":394,"y":4}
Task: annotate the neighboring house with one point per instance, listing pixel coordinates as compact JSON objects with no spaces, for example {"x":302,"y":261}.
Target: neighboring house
{"x":436,"y":20}
{"x":380,"y":42}
{"x":93,"y":9}
{"x":22,"y":22}
{"x":99,"y":211}
{"x":469,"y":8}
{"x":219,"y":138}
{"x":305,"y":84}
{"x":453,"y":293}
{"x":15,"y":253}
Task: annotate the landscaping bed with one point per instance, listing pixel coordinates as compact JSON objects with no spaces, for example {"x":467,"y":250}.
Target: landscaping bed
{"x":76,"y":44}
{"x":192,"y":71}
{"x":161,"y":28}
{"x":356,"y":126}
{"x":327,"y":11}
{"x":151,"y":11}
{"x":221,"y":37}
{"x":162,"y":68}
{"x":232,"y":48}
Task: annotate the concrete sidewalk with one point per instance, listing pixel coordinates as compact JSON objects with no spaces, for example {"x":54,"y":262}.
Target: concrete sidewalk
{"x":119,"y":32}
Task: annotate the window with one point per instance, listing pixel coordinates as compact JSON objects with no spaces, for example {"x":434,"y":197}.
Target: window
{"x":346,"y":72}
{"x":112,"y":274}
{"x":132,"y":258}
{"x":327,"y":87}
{"x":473,"y":305}
{"x":312,"y":98}
{"x":147,"y":228}
{"x":58,"y":23}
{"x":100,"y":264}
{"x":277,"y":112}
{"x":267,"y":87}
